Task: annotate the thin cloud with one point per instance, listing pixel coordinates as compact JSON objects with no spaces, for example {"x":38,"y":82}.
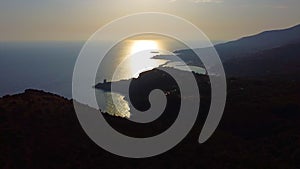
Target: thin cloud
{"x":281,"y":7}
{"x":207,"y":1}
{"x":201,"y":1}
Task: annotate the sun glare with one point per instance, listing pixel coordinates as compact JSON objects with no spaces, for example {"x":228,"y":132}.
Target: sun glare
{"x":142,"y":45}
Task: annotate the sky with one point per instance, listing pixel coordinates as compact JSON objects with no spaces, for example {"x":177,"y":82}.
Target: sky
{"x":77,"y":20}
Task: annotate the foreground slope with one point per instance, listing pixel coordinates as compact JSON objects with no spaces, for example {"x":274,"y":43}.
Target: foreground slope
{"x":260,"y":129}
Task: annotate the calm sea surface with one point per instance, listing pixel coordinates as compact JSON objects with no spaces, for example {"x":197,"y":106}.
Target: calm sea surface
{"x":49,"y":66}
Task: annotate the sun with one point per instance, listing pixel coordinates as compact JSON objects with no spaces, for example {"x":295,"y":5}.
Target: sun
{"x":142,"y":45}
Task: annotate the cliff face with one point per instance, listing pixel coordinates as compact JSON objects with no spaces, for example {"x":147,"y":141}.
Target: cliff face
{"x":260,"y":129}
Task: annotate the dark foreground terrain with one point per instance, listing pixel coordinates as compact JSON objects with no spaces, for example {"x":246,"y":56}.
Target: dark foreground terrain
{"x":260,"y":129}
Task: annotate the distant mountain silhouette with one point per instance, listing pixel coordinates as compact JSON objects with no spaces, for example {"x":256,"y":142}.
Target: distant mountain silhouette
{"x":249,"y":45}
{"x":268,"y":54}
{"x":280,"y":62}
{"x":272,"y":53}
{"x":263,"y":41}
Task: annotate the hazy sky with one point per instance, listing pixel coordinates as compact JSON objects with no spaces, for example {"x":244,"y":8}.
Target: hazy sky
{"x":68,"y":20}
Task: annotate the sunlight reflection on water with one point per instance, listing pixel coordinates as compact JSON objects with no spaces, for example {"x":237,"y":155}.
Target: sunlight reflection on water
{"x":125,"y":55}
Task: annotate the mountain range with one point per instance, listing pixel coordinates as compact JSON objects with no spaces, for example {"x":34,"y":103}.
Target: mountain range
{"x":260,"y":42}
{"x":270,"y":53}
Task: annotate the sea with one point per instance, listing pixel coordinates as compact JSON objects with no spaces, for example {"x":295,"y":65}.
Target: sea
{"x":49,"y":66}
